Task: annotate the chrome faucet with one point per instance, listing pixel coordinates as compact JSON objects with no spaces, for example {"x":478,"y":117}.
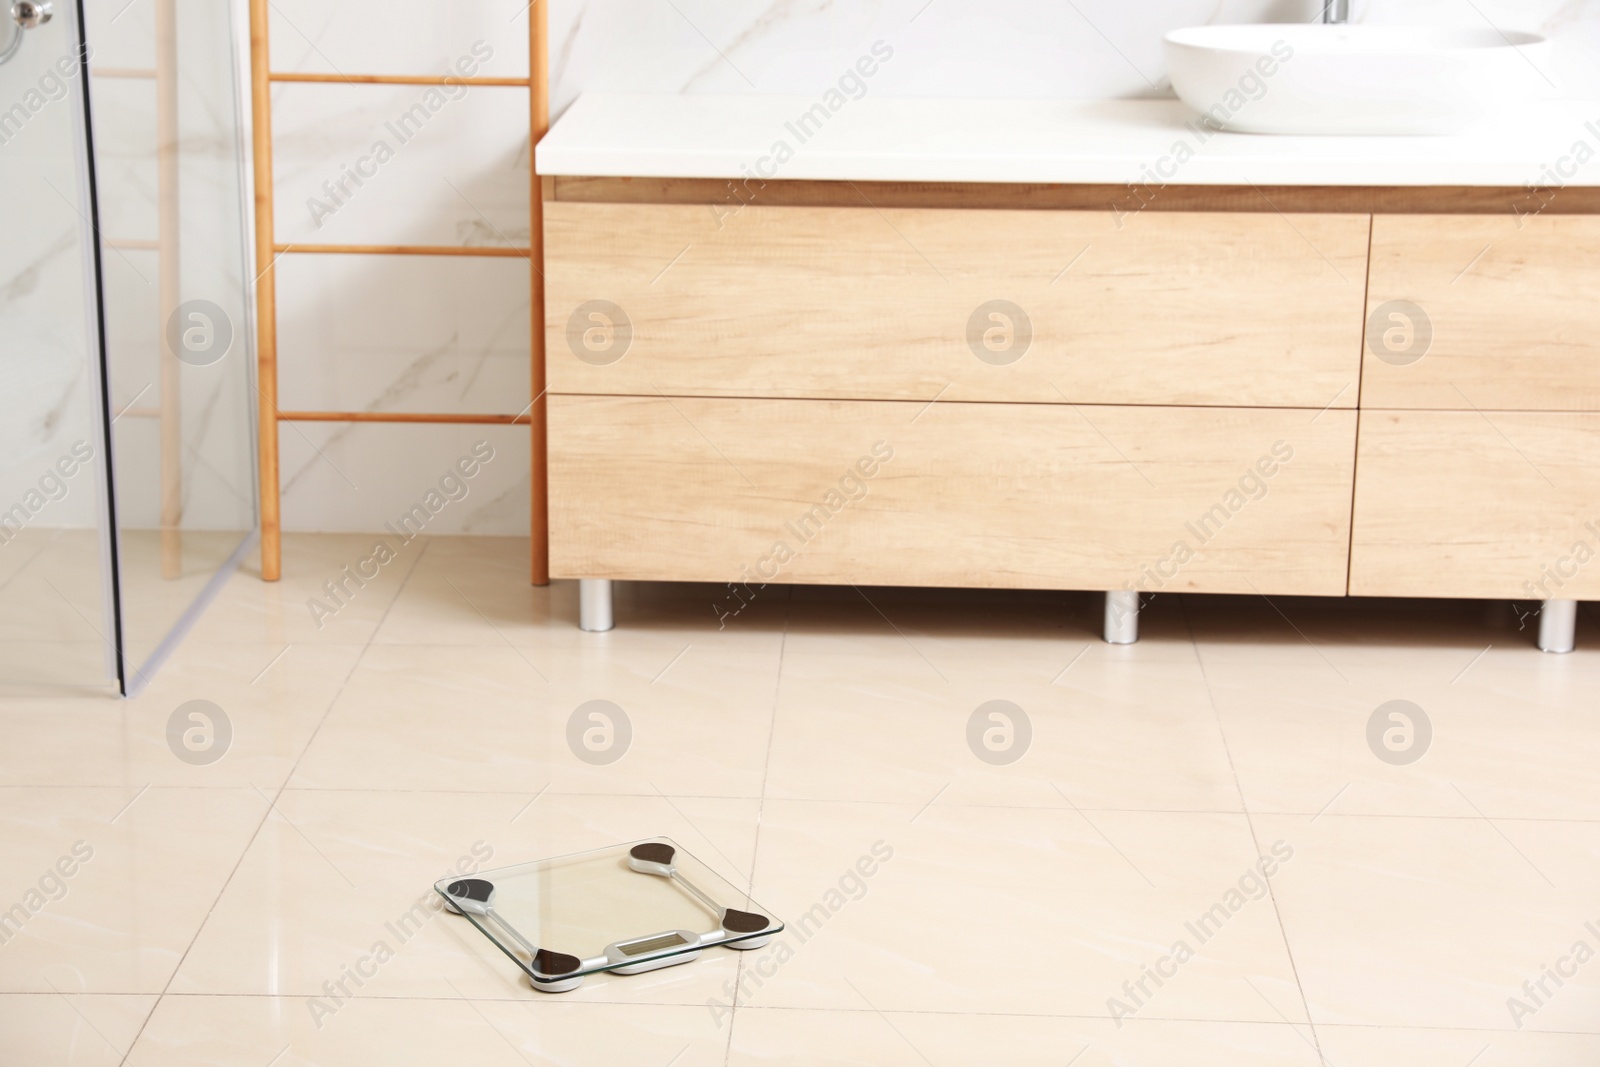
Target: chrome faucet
{"x":1335,"y":11}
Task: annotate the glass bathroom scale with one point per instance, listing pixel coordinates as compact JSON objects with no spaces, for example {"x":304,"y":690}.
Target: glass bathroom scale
{"x":625,"y":909}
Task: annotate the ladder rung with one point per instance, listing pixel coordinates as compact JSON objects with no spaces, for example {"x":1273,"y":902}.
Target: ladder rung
{"x":396,"y":79}
{"x":401,"y":416}
{"x":406,"y":250}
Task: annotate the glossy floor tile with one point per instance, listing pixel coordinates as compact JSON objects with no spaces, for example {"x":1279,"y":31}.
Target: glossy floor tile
{"x":865,"y":1037}
{"x":1510,"y":734}
{"x":993,"y":837}
{"x":1451,"y":1048}
{"x":1037,"y":911}
{"x":69,"y":1028}
{"x":1408,"y":922}
{"x":108,"y":886}
{"x":53,"y":612}
{"x":316,"y":600}
{"x":263,"y":705}
{"x":1106,"y":729}
{"x":484,"y":717}
{"x":191,"y":1031}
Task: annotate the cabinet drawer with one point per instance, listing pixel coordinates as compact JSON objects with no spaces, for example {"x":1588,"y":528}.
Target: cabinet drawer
{"x":952,"y":494}
{"x":1467,"y":504}
{"x":907,"y":304}
{"x":1502,"y":313}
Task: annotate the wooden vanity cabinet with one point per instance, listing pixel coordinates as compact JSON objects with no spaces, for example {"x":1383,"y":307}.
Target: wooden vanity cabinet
{"x":1478,"y":473}
{"x":858,"y":303}
{"x":877,"y":492}
{"x":1072,"y":400}
{"x":1073,"y":397}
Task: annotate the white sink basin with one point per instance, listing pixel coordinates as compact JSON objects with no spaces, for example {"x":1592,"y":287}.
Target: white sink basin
{"x":1316,"y":79}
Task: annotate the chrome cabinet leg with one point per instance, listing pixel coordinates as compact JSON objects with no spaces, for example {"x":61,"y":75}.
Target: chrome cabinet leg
{"x":1558,"y":624}
{"x":1122,"y":616}
{"x":594,"y":605}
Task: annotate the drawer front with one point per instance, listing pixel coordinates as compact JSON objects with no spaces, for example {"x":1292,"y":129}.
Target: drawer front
{"x":909,"y":304}
{"x":1493,"y":504}
{"x":952,"y":494}
{"x":1483,"y":311}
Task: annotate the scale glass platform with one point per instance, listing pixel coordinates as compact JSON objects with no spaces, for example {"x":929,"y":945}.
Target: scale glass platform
{"x":625,"y":909}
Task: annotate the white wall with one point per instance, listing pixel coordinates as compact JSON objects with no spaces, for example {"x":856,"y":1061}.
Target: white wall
{"x":450,"y":335}
{"x":47,"y":390}
{"x":984,"y":48}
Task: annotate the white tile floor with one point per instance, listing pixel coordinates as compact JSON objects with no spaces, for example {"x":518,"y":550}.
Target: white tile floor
{"x":429,"y":715}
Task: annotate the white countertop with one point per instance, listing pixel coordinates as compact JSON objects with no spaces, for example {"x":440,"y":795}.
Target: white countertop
{"x":1065,"y":141}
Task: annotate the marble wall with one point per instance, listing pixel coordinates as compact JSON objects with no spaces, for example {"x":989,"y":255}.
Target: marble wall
{"x":983,"y":48}
{"x":447,"y":334}
{"x":49,"y":378}
{"x":47,"y":384}
{"x":401,"y":333}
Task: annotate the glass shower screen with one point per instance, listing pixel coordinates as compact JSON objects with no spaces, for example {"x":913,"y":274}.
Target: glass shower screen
{"x":127,"y":486}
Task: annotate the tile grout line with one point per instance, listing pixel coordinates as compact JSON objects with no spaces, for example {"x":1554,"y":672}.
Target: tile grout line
{"x":272,"y":806}
{"x":1255,"y":841}
{"x":861,"y":800}
{"x":761,"y":807}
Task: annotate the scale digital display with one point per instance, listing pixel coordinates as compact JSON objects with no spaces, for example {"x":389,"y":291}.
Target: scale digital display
{"x":652,"y":944}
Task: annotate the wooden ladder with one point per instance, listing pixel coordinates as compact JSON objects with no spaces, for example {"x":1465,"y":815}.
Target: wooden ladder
{"x":269,"y":251}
